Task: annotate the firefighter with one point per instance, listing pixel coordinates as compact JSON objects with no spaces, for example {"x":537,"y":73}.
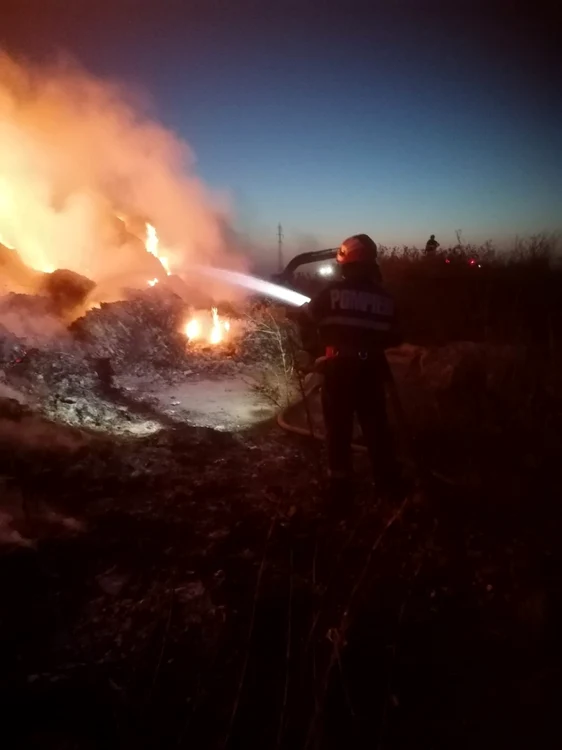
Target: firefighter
{"x":354,"y":318}
{"x":431,"y":245}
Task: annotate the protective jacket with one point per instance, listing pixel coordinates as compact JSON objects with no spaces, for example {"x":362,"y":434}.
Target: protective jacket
{"x":355,"y":322}
{"x":352,"y":316}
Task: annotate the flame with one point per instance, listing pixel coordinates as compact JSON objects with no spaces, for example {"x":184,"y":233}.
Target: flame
{"x":152,"y":244}
{"x":74,"y":153}
{"x":193,"y":329}
{"x":214,"y":334}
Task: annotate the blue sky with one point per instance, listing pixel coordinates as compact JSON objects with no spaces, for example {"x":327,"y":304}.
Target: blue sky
{"x":336,"y":118}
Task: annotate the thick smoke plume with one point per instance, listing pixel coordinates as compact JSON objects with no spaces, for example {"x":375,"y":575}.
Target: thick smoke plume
{"x":75,"y":154}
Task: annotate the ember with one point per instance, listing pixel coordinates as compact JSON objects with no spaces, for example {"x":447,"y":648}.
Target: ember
{"x":213,"y":331}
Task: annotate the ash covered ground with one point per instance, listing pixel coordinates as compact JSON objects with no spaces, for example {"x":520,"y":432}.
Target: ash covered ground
{"x":172,"y":575}
{"x":126,"y":367}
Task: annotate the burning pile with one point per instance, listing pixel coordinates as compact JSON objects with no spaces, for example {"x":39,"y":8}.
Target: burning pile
{"x":101,"y":220}
{"x":82,"y":374}
{"x":85,"y":180}
{"x":213,"y":331}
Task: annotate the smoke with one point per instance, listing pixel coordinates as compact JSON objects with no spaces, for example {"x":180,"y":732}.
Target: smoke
{"x":75,"y":154}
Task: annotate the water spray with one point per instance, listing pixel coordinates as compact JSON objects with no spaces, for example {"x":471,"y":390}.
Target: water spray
{"x":267,"y":288}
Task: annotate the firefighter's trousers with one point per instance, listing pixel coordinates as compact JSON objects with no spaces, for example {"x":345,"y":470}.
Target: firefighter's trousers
{"x":353,"y":386}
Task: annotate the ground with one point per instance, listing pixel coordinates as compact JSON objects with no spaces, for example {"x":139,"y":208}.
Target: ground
{"x":223,"y":403}
{"x":192,"y":588}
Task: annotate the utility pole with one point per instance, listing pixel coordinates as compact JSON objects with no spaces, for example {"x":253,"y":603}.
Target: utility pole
{"x":280,"y":248}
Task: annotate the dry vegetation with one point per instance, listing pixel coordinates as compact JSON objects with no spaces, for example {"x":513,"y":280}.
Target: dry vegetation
{"x":513,"y":298}
{"x":272,"y":343}
{"x":190,"y":589}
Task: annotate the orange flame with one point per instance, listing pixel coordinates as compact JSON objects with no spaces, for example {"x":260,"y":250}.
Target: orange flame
{"x":215,"y":334}
{"x":193,"y":329}
{"x":73,"y":152}
{"x":152,"y":245}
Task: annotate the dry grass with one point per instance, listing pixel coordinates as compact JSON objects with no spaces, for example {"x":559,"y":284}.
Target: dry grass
{"x":270,"y":344}
{"x":512,"y":298}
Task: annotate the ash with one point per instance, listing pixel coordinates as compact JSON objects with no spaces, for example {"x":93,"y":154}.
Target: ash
{"x":102,"y":370}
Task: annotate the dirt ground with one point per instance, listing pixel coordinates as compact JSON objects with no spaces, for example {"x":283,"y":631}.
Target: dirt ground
{"x":192,"y":588}
{"x":223,"y":403}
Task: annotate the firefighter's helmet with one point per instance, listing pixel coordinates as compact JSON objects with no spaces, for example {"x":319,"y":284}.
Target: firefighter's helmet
{"x":357,"y":249}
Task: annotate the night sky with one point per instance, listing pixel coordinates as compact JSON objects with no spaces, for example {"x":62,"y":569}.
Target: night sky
{"x":399,"y":119}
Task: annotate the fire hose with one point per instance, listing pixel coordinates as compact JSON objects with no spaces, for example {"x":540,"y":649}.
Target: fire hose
{"x":307,"y":393}
{"x":405,"y":438}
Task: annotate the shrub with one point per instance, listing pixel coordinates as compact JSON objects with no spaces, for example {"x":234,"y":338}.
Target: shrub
{"x":270,"y":343}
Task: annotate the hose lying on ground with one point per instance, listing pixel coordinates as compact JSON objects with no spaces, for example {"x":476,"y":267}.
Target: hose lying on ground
{"x":404,"y":436}
{"x":309,"y":431}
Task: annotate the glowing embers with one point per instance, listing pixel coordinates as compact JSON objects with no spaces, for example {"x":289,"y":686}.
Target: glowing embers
{"x":203,"y":328}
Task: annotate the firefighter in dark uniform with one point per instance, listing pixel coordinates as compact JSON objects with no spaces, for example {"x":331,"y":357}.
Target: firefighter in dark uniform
{"x":431,"y":245}
{"x":354,"y":318}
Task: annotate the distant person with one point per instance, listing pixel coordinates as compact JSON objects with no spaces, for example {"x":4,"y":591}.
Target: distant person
{"x":431,"y":245}
{"x":354,"y":317}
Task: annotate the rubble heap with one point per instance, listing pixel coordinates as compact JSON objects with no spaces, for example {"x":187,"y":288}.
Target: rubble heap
{"x":66,"y":289}
{"x":139,"y":333}
{"x":12,"y":347}
{"x":86,"y":373}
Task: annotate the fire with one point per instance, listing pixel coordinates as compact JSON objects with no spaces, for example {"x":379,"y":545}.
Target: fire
{"x":74,"y":154}
{"x":216,"y":331}
{"x":152,"y":244}
{"x":193,"y":329}
{"x":214,"y":334}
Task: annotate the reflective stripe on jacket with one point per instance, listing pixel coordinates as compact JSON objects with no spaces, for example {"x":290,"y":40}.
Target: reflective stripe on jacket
{"x":356,"y":313}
